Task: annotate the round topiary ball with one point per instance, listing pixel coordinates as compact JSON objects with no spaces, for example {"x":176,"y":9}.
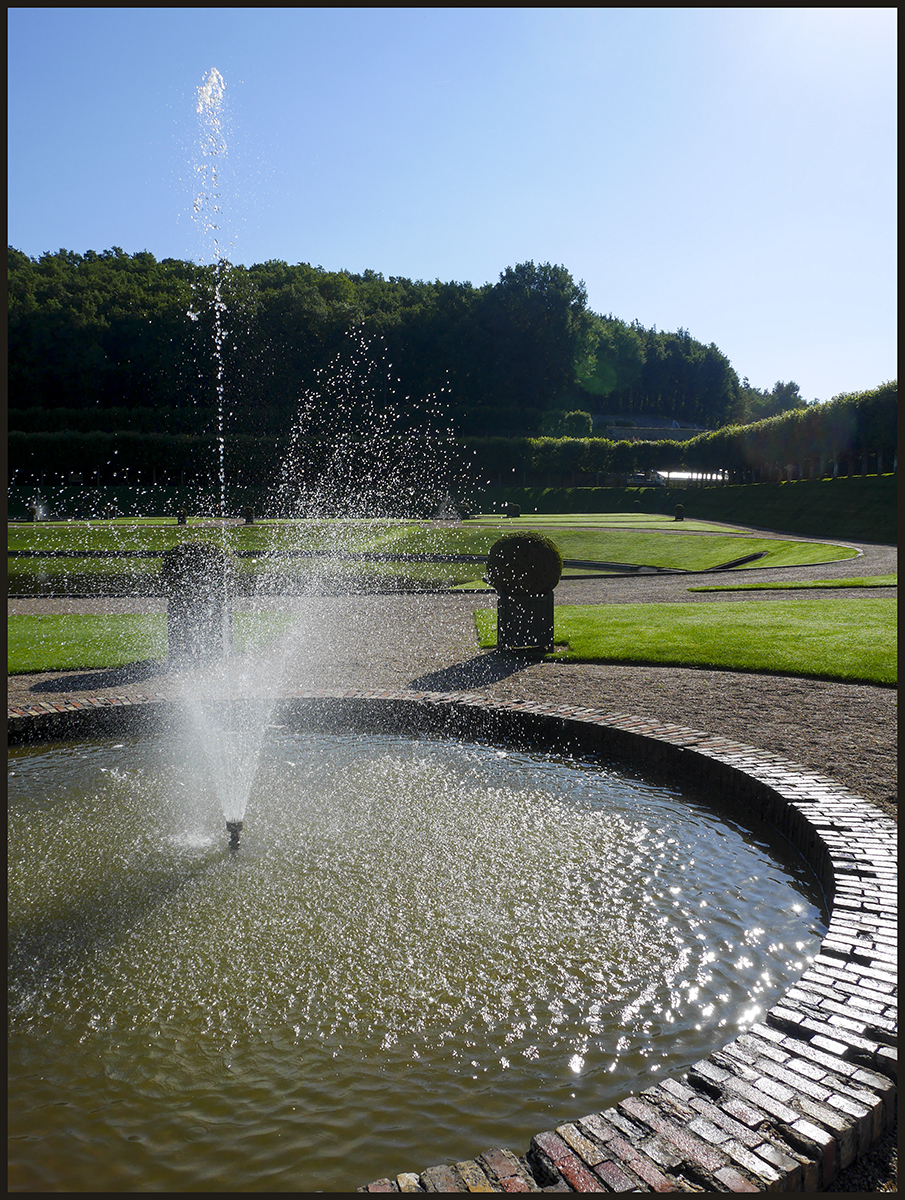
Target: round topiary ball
{"x":524,"y":564}
{"x":196,"y":567}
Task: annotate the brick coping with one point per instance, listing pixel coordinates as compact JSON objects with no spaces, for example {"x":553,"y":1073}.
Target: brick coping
{"x":782,"y":1107}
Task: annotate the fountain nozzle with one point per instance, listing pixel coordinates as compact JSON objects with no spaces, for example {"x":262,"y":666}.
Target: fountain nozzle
{"x":234,"y":828}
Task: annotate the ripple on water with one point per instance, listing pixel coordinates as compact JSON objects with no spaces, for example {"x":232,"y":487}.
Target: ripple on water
{"x":421,"y":948}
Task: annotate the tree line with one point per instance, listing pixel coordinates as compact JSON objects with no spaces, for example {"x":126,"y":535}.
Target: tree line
{"x":112,"y":376}
{"x":126,"y":339}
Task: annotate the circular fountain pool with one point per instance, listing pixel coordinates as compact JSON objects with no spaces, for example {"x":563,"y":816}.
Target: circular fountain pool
{"x":421,"y":947}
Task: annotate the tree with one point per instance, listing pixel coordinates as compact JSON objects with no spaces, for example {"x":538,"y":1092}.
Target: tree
{"x":755,"y":404}
{"x":615,"y":357}
{"x":559,"y":423}
{"x":538,"y":329}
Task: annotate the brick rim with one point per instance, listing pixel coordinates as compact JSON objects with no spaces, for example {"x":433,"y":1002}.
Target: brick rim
{"x":783,"y":1106}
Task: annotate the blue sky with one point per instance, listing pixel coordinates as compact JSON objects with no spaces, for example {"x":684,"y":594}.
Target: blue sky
{"x":729,"y":171}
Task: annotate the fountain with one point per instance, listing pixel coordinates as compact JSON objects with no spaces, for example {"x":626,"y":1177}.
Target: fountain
{"x":207,"y":212}
{"x":450,"y":921}
{"x":429,"y":944}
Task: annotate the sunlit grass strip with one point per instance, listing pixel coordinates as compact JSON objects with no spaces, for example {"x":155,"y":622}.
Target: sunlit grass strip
{"x":655,"y":521}
{"x":55,"y":643}
{"x":865,"y":581}
{"x":852,"y":639}
{"x":652,"y":548}
{"x":665,"y":547}
{"x":78,"y":641}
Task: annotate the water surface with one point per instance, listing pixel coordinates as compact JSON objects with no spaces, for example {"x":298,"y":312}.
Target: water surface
{"x":421,"y":950}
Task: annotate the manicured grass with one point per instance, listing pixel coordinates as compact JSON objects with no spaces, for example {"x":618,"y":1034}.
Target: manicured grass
{"x":624,"y":520}
{"x":851,"y":639}
{"x":54,"y":643}
{"x":650,"y":541}
{"x":652,"y":547}
{"x":864,"y":581}
{"x":74,"y":642}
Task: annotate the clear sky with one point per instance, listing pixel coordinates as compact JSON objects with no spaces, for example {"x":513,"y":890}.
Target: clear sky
{"x":729,"y":171}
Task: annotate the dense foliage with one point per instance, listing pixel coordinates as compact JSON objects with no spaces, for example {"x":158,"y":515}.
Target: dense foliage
{"x":850,"y":434}
{"x":112,"y":376}
{"x":123,"y":341}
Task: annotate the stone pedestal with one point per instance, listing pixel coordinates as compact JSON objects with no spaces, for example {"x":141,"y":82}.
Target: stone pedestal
{"x":198,"y":627}
{"x":525,"y":622}
{"x":197,"y":579}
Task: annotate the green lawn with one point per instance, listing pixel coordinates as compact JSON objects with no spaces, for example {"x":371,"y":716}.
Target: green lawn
{"x":864,"y":581}
{"x":73,"y":642}
{"x":645,"y":545}
{"x":625,"y":520}
{"x":850,"y":639}
{"x":648,"y":541}
{"x":833,"y":638}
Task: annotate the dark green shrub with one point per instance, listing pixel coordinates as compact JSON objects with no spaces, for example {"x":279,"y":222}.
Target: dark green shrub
{"x":526,"y":564}
{"x":513,"y":510}
{"x":181,"y":517}
{"x":248,"y":514}
{"x":680,"y":512}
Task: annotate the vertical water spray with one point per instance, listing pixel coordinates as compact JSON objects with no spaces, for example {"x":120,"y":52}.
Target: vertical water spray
{"x":227,"y":738}
{"x":207,"y":211}
{"x":357,"y":451}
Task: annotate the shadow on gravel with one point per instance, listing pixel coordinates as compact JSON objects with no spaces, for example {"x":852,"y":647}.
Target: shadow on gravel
{"x":90,"y":680}
{"x":478,"y":672}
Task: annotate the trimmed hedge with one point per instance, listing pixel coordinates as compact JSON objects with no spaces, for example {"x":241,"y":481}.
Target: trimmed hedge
{"x":524,"y":564}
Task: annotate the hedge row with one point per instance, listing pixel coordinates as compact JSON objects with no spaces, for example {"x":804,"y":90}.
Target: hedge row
{"x":848,"y":435}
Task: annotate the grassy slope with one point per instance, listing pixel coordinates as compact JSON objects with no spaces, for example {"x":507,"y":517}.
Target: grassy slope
{"x":655,"y":541}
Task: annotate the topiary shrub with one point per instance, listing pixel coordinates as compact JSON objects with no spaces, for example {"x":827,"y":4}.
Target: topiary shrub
{"x":513,"y":510}
{"x":680,"y":512}
{"x":524,"y":564}
{"x":181,"y":517}
{"x":248,"y":514}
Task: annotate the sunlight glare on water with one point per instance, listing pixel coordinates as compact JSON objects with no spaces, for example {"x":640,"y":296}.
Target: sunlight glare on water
{"x":421,"y":949}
